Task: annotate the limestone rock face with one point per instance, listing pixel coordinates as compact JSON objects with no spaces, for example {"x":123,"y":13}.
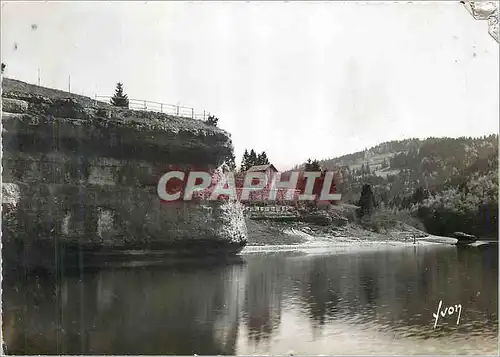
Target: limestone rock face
{"x":81,"y":176}
{"x":14,"y":105}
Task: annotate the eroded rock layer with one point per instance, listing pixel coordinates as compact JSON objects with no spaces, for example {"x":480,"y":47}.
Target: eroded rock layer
{"x":80,"y":180}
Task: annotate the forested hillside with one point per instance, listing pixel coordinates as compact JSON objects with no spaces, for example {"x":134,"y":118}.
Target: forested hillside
{"x":449,"y":183}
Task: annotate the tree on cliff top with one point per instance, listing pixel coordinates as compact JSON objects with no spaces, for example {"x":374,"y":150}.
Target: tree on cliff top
{"x":119,"y":99}
{"x":212,"y":120}
{"x":3,"y":67}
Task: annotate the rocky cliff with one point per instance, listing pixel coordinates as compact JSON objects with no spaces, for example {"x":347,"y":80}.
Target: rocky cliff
{"x":79,"y":182}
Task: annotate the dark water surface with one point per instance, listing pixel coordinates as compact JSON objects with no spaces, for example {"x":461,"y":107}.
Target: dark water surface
{"x":355,"y":302}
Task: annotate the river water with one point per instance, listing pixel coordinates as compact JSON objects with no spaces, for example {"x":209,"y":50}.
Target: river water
{"x":376,"y":300}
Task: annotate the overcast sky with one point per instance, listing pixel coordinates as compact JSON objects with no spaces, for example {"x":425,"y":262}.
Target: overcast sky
{"x":297,"y":80}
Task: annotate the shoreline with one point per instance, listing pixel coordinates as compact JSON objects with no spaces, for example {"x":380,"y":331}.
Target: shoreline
{"x":271,"y":235}
{"x":336,"y":247}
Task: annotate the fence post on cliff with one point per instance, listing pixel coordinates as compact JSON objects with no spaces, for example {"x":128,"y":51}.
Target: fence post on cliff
{"x":192,"y":113}
{"x":203,"y":115}
{"x":145,"y":107}
{"x":177,"y":110}
{"x":161,"y":107}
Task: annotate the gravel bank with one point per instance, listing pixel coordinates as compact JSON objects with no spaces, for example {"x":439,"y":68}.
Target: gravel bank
{"x":265,"y":232}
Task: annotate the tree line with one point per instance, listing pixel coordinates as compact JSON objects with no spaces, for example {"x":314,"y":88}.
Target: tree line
{"x":471,"y":207}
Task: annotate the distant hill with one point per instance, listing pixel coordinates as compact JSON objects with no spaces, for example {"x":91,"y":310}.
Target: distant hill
{"x":398,"y":168}
{"x":448,"y":184}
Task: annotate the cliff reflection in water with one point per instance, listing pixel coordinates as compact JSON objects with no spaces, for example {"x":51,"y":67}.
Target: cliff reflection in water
{"x":365,"y":302}
{"x":132,"y":311}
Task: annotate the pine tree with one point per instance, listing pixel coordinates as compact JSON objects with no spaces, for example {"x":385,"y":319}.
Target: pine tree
{"x":120,"y":99}
{"x":212,"y":120}
{"x":230,"y":161}
{"x":244,"y":162}
{"x":265,"y":159}
{"x":252,"y":158}
{"x":419,"y":195}
{"x":259,"y":159}
{"x":312,"y":166}
{"x":262,"y":159}
{"x":3,"y":67}
{"x":366,"y":202}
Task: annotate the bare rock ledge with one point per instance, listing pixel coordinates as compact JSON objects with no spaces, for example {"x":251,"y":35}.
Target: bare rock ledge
{"x":79,"y":183}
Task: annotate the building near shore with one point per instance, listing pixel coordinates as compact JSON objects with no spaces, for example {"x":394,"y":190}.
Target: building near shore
{"x":269,"y":170}
{"x":262,"y":195}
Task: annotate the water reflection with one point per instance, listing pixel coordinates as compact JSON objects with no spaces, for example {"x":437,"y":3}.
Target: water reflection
{"x":133,"y":311}
{"x":357,"y":303}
